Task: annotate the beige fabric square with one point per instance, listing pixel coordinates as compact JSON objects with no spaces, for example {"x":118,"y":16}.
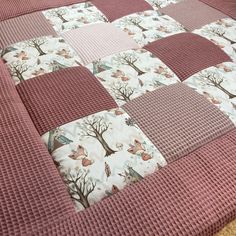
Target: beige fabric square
{"x":98,"y":40}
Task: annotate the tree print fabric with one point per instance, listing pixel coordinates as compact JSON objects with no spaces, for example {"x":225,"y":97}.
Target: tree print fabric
{"x":130,"y":74}
{"x":148,"y":26}
{"x":218,"y":85}
{"x":38,"y":56}
{"x":222,"y":33}
{"x":100,"y":154}
{"x":156,"y":4}
{"x":75,"y":16}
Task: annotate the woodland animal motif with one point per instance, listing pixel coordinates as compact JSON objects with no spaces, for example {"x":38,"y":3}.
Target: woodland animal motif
{"x":163,"y":29}
{"x":39,"y":72}
{"x":224,"y":67}
{"x":131,"y":176}
{"x":79,"y":154}
{"x":136,"y":147}
{"x":211,"y":98}
{"x":145,"y":156}
{"x":114,"y":190}
{"x":22,"y":55}
{"x":64,"y":53}
{"x":120,"y":74}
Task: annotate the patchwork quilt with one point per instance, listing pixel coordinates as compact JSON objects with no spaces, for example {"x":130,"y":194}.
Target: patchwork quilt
{"x":121,"y":115}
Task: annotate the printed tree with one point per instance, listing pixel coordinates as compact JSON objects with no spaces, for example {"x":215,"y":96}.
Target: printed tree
{"x":80,"y":187}
{"x":215,"y":80}
{"x":60,"y":14}
{"x":156,"y":3}
{"x":37,"y":43}
{"x":136,"y":21}
{"x":122,"y":91}
{"x":18,"y":69}
{"x":129,"y":59}
{"x":221,"y":33}
{"x":95,"y":128}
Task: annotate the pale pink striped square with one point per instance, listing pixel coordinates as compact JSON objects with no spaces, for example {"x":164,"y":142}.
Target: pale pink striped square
{"x":98,"y":40}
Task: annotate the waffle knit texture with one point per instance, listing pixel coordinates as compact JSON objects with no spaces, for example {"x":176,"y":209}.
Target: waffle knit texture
{"x":31,"y":188}
{"x":192,"y":14}
{"x":12,"y":8}
{"x":114,"y":9}
{"x":193,"y":196}
{"x":63,"y":96}
{"x":186,"y":53}
{"x":177,"y":120}
{"x":226,"y":6}
{"x":98,"y":40}
{"x":24,"y":28}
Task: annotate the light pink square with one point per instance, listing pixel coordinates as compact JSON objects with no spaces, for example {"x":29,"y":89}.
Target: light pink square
{"x":98,"y":40}
{"x":193,"y":14}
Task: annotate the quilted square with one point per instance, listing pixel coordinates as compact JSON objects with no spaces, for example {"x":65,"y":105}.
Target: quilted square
{"x":148,"y":26}
{"x":223,"y":34}
{"x":98,"y":40}
{"x":114,"y":9}
{"x":39,"y":56}
{"x":129,"y":74}
{"x":186,"y":53}
{"x":105,"y":154}
{"x":75,"y":16}
{"x":192,"y":14}
{"x":63,"y":96}
{"x":218,"y":85}
{"x":177,"y":119}
{"x":23,"y":28}
{"x":228,"y":7}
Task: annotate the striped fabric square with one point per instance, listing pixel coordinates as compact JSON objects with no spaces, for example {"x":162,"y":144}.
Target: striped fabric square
{"x":12,"y":8}
{"x":177,"y":119}
{"x":98,"y":40}
{"x":226,"y":6}
{"x":60,"y":97}
{"x":23,"y":28}
{"x":114,"y":9}
{"x":192,"y":14}
{"x":186,"y":53}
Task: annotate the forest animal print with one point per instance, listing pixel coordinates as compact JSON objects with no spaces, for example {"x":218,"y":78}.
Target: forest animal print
{"x":100,"y":154}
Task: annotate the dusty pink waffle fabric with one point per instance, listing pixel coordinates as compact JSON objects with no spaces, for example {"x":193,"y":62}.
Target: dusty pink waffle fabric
{"x":24,"y":28}
{"x":60,"y":97}
{"x":177,"y":119}
{"x":32,"y":191}
{"x":226,"y":6}
{"x":96,"y":41}
{"x":194,"y":196}
{"x":12,"y":8}
{"x":114,"y":9}
{"x":192,"y":14}
{"x":186,"y":53}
